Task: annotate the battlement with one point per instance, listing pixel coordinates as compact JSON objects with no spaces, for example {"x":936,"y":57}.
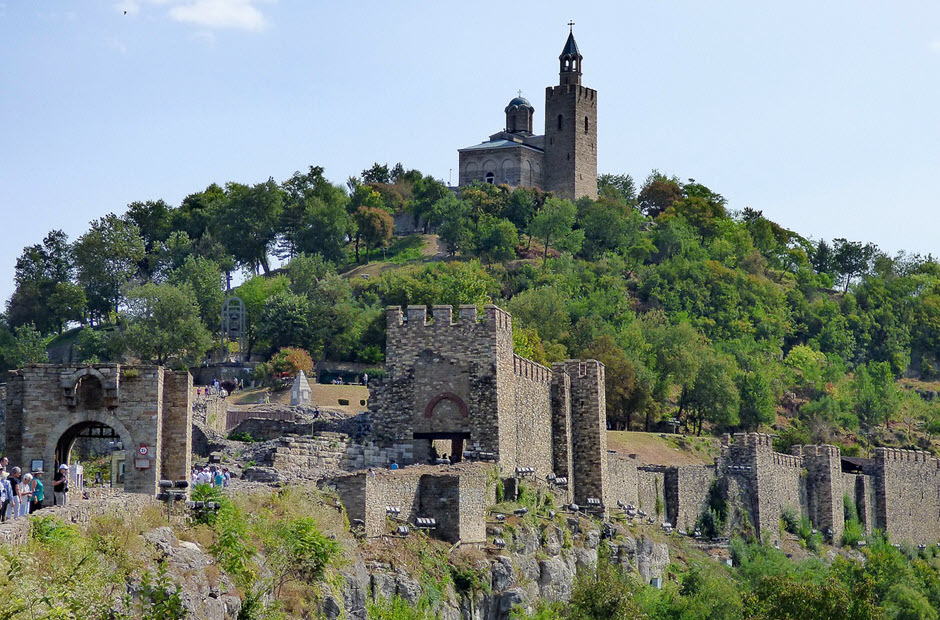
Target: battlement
{"x":810,"y":451}
{"x":414,"y":317}
{"x":560,"y":89}
{"x":531,"y":370}
{"x":788,"y":460}
{"x":911,"y":456}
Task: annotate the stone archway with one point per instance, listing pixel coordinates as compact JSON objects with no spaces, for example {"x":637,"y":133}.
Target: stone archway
{"x":66,"y":432}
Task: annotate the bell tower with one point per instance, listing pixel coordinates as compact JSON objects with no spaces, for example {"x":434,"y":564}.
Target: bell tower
{"x":570,"y":169}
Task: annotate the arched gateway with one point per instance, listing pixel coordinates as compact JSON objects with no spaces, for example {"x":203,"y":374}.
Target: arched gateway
{"x":148,"y":408}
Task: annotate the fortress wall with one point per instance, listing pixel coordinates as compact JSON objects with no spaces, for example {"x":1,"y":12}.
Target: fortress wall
{"x":588,"y":430}
{"x":824,"y":487}
{"x":622,"y":481}
{"x":533,"y":409}
{"x":859,"y":488}
{"x":561,"y":424}
{"x":651,"y":485}
{"x":910,"y":488}
{"x":687,"y":489}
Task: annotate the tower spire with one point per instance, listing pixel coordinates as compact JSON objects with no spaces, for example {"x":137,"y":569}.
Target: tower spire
{"x":570,"y":60}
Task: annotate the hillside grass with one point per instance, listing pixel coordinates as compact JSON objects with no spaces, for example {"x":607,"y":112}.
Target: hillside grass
{"x":664,"y":449}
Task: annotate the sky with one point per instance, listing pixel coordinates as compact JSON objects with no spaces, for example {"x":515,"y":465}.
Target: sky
{"x":823,"y":115}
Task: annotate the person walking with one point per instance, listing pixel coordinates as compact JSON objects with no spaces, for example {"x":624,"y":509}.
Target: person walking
{"x":60,"y":485}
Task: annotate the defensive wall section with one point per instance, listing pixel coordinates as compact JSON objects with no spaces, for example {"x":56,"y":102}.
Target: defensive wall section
{"x":456,"y":498}
{"x":457,"y":378}
{"x":147,"y":407}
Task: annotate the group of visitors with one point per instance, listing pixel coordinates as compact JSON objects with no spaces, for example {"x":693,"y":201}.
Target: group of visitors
{"x":22,"y":494}
{"x":212,"y":475}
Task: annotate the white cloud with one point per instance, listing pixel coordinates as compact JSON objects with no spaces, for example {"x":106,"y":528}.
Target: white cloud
{"x":239,"y":14}
{"x":220,"y":14}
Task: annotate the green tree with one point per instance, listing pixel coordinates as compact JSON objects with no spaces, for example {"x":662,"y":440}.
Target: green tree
{"x":712,"y":396}
{"x":618,"y":188}
{"x":556,"y":222}
{"x":255,"y":292}
{"x":876,"y":395}
{"x":620,"y":380}
{"x":852,"y":259}
{"x":247,"y":223}
{"x":757,"y":400}
{"x":41,"y":270}
{"x":285,"y":322}
{"x":659,"y":192}
{"x":28,"y":347}
{"x":314,"y":217}
{"x":495,"y":239}
{"x":374,"y":227}
{"x":204,"y":277}
{"x":326,"y":230}
{"x":107,"y":257}
{"x":164,"y":323}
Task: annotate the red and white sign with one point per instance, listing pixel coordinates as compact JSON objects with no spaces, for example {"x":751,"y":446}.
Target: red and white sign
{"x":143,"y":450}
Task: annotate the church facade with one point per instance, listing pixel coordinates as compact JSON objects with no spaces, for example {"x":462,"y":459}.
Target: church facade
{"x":563,"y":160}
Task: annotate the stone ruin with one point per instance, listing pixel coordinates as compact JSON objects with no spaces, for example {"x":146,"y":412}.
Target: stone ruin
{"x":455,"y":387}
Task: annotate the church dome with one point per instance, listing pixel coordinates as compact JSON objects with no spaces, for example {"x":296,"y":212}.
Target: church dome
{"x":519,"y":102}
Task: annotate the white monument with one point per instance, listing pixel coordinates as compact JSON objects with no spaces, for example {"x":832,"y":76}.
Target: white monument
{"x":300,"y":391}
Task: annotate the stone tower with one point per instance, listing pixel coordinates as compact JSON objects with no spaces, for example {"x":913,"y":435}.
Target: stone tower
{"x":570,"y":162}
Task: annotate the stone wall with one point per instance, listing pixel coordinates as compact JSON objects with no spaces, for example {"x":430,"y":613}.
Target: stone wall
{"x":622,"y":482}
{"x":687,"y":488}
{"x":824,"y":487}
{"x":49,"y":405}
{"x":127,"y":505}
{"x":910,"y":488}
{"x":455,"y":497}
{"x":588,"y":430}
{"x":651,"y":491}
{"x":533,"y":409}
{"x":209,"y":410}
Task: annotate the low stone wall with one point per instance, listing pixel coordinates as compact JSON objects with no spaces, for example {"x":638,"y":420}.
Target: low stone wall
{"x":265,"y":429}
{"x":306,"y":457}
{"x":209,"y":411}
{"x":622,"y":484}
{"x":687,"y":490}
{"x":107,"y":502}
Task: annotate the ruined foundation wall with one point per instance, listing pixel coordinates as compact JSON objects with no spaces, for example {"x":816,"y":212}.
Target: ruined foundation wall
{"x":687,"y":489}
{"x":910,"y":490}
{"x":622,"y":481}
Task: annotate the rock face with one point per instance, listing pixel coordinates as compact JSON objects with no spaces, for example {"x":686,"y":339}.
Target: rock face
{"x":536,"y":566}
{"x":205,"y":591}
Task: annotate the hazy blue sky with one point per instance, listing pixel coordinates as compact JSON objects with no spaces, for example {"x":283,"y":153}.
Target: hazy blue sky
{"x":821,"y":114}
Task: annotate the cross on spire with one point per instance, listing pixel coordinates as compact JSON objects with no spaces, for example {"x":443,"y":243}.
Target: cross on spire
{"x":571,"y":27}
{"x":520,"y":92}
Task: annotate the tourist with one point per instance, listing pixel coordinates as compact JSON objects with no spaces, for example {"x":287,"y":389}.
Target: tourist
{"x":365,"y":378}
{"x":226,"y":476}
{"x":371,"y":473}
{"x":37,"y":493}
{"x":393,"y":465}
{"x":60,"y":485}
{"x":6,"y":494}
{"x":16,"y":485}
{"x":219,"y":478}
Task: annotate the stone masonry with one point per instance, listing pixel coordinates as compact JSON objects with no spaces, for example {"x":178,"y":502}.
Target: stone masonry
{"x":148,"y":407}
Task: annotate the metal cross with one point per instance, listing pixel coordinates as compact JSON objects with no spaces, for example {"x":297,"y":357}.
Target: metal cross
{"x":571,"y":27}
{"x":520,"y":93}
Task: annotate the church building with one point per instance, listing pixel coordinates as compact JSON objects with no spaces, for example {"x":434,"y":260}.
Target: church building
{"x":564,"y":159}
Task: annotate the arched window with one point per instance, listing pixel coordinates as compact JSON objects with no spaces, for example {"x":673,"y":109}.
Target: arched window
{"x":490,"y":178}
{"x":559,"y":122}
{"x":585,"y":124}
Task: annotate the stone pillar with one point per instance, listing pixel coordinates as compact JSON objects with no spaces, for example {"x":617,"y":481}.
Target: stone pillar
{"x":176,"y":457}
{"x":588,"y":430}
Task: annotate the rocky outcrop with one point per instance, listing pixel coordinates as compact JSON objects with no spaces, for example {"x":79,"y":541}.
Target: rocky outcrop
{"x":538,"y":565}
{"x":205,"y":592}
